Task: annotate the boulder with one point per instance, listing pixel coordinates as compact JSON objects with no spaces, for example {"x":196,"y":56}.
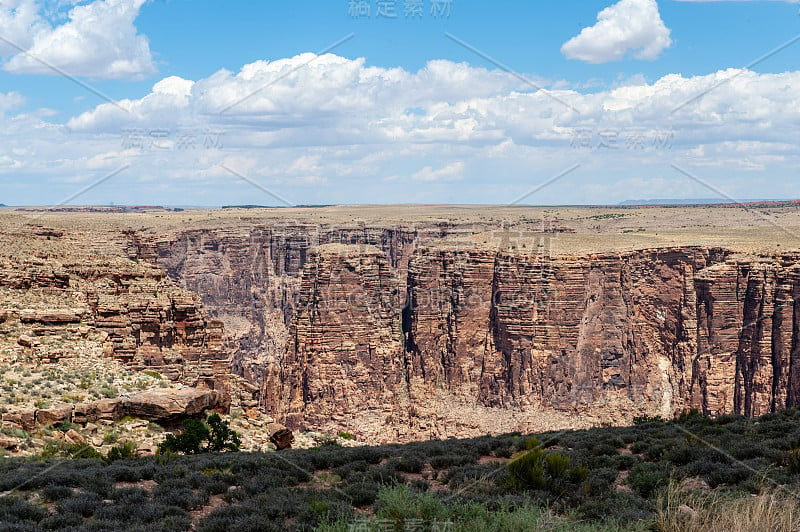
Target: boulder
{"x":23,"y":418}
{"x":73,"y":436}
{"x":170,"y":405}
{"x":84,"y":413}
{"x":110,"y":409}
{"x":26,"y":341}
{"x":8,"y":444}
{"x":280,"y":436}
{"x":104,"y":409}
{"x":49,"y":316}
{"x":59,"y":413}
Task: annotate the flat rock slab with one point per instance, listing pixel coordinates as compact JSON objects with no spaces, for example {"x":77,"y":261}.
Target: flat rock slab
{"x":156,"y":405}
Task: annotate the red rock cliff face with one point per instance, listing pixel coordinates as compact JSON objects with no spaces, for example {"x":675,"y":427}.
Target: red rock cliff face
{"x":402,"y":340}
{"x":493,"y":339}
{"x":249,"y":277}
{"x":344,"y":358}
{"x":748,"y":319}
{"x":567,"y":334}
{"x":53,"y":279}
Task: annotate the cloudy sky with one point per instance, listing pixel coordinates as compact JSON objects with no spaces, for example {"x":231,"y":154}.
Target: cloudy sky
{"x":194,"y":102}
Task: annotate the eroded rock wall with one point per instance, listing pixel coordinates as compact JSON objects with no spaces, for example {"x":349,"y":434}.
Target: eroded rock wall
{"x":393,"y":335}
{"x":249,"y":277}
{"x":71,"y":286}
{"x":491,"y":339}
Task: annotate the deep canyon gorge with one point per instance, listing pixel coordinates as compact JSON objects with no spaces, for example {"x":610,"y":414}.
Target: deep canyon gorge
{"x":437,"y":328}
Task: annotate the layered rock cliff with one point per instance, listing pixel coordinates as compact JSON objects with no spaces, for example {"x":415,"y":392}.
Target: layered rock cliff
{"x":493,"y":338}
{"x":393,"y":334}
{"x":344,"y":353}
{"x":249,"y":276}
{"x":59,"y":289}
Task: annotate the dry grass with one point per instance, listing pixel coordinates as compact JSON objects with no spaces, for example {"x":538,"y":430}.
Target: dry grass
{"x":766,"y":230}
{"x":681,"y":508}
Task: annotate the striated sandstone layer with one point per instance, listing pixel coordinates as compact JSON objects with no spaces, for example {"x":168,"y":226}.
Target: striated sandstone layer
{"x":59,"y":288}
{"x":498,"y":340}
{"x":411,"y":332}
{"x":249,"y":276}
{"x":344,"y":353}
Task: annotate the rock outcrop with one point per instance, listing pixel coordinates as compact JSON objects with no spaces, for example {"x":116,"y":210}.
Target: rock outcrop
{"x":493,"y":337}
{"x":345,"y":350}
{"x":249,"y":275}
{"x":401,"y":333}
{"x":61,"y":289}
{"x":161,"y":406}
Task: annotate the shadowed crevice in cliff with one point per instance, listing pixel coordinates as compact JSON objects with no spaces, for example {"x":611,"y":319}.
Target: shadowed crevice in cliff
{"x":793,"y":385}
{"x":756,"y":317}
{"x":462,"y":340}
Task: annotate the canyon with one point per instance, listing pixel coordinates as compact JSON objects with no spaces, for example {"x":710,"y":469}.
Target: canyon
{"x":418,"y":325}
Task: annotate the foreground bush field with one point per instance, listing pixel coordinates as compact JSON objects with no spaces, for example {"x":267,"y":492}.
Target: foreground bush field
{"x":693,"y":473}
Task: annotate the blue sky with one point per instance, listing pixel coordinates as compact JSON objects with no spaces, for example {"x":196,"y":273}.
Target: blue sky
{"x":190,"y":102}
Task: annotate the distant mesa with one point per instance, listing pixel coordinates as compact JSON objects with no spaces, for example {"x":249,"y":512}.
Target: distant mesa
{"x":101,"y":208}
{"x":717,"y":202}
{"x":302,"y":206}
{"x":247,"y":207}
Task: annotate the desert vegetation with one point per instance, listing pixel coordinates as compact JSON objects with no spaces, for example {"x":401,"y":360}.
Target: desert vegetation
{"x":691,"y":473}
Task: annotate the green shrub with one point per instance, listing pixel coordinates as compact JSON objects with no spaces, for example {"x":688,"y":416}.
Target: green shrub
{"x":346,"y":470}
{"x":617,"y":508}
{"x":55,"y":493}
{"x":601,"y":480}
{"x":537,"y":469}
{"x":363,"y":493}
{"x":556,"y":465}
{"x":109,"y":392}
{"x":451,"y":460}
{"x":322,"y":440}
{"x":692,"y":415}
{"x":647,"y":478}
{"x":728,"y":475}
{"x":645,"y":419}
{"x":76,"y":451}
{"x":221,"y":437}
{"x":409,"y":464}
{"x":793,"y":460}
{"x":83,"y":504}
{"x":604,"y":449}
{"x":504,"y":452}
{"x":123,"y":451}
{"x":213,"y":435}
{"x":15,"y":510}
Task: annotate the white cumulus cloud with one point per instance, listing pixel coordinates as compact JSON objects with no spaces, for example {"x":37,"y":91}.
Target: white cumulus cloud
{"x":99,"y":40}
{"x":330,"y":129}
{"x":451,"y":172}
{"x":628,"y":27}
{"x":20,"y":21}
